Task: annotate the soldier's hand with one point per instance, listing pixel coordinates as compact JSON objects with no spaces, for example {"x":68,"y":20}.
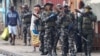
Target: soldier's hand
{"x":77,"y":10}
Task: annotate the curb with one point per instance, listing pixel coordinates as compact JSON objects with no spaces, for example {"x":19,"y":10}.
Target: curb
{"x":7,"y":53}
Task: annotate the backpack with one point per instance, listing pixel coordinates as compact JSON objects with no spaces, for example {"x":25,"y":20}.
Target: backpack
{"x":66,"y":20}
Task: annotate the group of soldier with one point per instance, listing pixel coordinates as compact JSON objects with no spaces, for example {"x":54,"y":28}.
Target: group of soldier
{"x":59,"y":23}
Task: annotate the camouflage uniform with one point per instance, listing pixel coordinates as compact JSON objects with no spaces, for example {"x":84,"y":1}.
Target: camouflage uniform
{"x":87,"y":30}
{"x":26,"y":19}
{"x":41,"y":34}
{"x":66,"y":20}
{"x":49,"y":38}
{"x":72,"y":40}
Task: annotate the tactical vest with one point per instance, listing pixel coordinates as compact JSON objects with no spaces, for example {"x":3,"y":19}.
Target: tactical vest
{"x":27,"y":17}
{"x":66,"y":20}
{"x":41,"y":25}
{"x":87,"y":23}
{"x":50,"y":22}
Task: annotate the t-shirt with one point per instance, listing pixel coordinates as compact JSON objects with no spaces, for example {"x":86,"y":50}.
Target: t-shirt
{"x":12,"y":18}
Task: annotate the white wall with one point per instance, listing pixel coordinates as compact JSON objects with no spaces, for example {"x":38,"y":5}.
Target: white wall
{"x":95,"y":4}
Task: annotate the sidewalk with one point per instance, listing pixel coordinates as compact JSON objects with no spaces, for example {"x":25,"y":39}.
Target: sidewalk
{"x":20,"y":50}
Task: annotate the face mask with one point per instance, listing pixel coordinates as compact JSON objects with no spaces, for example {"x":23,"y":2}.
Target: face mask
{"x":86,"y":10}
{"x":66,"y":10}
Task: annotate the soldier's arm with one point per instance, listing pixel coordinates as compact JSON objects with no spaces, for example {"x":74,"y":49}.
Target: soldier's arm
{"x":50,"y":17}
{"x":73,"y":17}
{"x":82,"y":13}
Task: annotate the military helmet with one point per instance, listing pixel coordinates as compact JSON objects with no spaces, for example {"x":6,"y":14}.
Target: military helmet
{"x":66,"y":6}
{"x":37,"y":5}
{"x":48,"y":4}
{"x":88,"y":7}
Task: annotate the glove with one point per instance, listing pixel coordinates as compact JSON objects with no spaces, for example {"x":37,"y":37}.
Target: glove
{"x":77,"y":10}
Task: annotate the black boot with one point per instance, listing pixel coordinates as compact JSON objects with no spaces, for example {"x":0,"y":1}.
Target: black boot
{"x":64,"y":54}
{"x":54,"y":53}
{"x":25,"y":39}
{"x":44,"y":53}
{"x":87,"y":54}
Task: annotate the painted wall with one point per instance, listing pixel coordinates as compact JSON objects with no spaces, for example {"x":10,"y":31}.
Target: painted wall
{"x":95,"y":4}
{"x":4,"y":9}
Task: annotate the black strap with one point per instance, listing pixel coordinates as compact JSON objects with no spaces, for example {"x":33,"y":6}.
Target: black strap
{"x":36,"y":16}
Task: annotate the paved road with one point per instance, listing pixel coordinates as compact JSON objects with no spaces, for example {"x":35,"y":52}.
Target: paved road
{"x":2,"y":55}
{"x":20,"y":50}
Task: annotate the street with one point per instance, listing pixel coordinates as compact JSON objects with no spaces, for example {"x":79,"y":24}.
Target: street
{"x":73,"y":20}
{"x":20,"y":50}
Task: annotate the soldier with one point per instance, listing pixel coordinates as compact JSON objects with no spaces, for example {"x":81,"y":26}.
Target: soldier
{"x":66,"y":20}
{"x":41,"y":30}
{"x":58,"y":11}
{"x":49,"y":19}
{"x":26,"y":19}
{"x":87,"y":29}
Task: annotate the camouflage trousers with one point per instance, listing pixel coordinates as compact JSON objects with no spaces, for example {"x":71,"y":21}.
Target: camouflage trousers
{"x":72,"y":44}
{"x":49,"y":40}
{"x":68,"y":43}
{"x":87,"y":45}
{"x":41,"y":37}
{"x":64,"y":41}
{"x":26,"y":33}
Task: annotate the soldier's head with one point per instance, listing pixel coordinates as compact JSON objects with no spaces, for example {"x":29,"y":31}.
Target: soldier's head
{"x":59,"y":7}
{"x":88,"y":8}
{"x":37,"y":8}
{"x":81,"y":4}
{"x":48,"y":6}
{"x":25,"y":7}
{"x":11,"y":8}
{"x":66,"y":8}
